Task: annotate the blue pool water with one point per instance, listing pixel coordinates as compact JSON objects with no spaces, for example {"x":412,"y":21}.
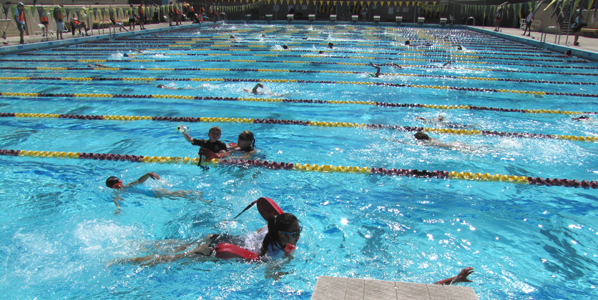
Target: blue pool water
{"x":60,"y":234}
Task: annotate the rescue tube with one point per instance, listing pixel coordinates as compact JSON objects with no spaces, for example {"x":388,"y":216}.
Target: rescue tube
{"x":228,"y":251}
{"x":265,"y":206}
{"x":211,"y":155}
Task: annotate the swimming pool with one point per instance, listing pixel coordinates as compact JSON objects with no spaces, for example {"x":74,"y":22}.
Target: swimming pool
{"x":60,"y":233}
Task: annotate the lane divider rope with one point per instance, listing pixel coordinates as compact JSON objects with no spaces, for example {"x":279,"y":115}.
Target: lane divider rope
{"x":303,"y":56}
{"x":339,"y":72}
{"x":399,"y":85}
{"x":309,"y":168}
{"x":305,"y":71}
{"x":307,"y":101}
{"x":307,"y":123}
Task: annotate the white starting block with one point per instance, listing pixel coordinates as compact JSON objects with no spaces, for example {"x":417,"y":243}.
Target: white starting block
{"x":420,"y":20}
{"x":248,"y":17}
{"x":354,"y":18}
{"x":333,"y":18}
{"x":290,"y":17}
{"x":399,"y":20}
{"x":442,"y":21}
{"x":269,"y":17}
{"x":311,"y":17}
{"x":376,"y":19}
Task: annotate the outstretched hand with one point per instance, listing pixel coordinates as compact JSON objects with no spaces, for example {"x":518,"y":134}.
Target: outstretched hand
{"x":462,"y":277}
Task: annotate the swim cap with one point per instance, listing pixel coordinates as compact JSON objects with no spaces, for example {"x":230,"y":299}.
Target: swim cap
{"x":111,"y":181}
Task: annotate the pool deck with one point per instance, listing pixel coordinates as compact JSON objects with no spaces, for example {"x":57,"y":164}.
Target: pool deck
{"x":587,"y":49}
{"x":329,"y":288}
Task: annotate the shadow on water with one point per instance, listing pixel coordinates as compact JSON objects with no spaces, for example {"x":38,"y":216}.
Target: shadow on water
{"x":571,"y":264}
{"x":16,"y":137}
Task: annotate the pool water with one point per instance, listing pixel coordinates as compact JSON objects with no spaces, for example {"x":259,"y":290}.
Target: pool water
{"x":62,"y":238}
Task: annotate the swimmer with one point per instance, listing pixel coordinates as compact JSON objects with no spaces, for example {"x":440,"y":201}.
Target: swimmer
{"x":285,"y":47}
{"x":232,"y":36}
{"x":330,"y":45}
{"x":256,"y":92}
{"x":321,"y":52}
{"x":396,"y":66}
{"x":407,"y":43}
{"x":440,"y":121}
{"x":459,"y":47}
{"x":425,"y":140}
{"x":97,"y":66}
{"x":446,"y":63}
{"x":119,"y":188}
{"x":583,"y":118}
{"x":138,"y":51}
{"x":174,"y":88}
{"x":270,"y":242}
{"x":377,"y":70}
{"x":245,"y":145}
{"x":568,"y":53}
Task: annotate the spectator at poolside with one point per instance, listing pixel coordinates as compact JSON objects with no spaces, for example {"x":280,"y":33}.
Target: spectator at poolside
{"x":577,"y":25}
{"x":498,"y":17}
{"x":59,"y":23}
{"x":20,"y":20}
{"x":132,"y":17}
{"x":142,"y":15}
{"x":528,"y":23}
{"x":76,"y":24}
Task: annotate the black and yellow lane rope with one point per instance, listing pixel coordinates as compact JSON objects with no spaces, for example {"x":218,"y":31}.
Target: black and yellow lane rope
{"x":311,"y":72}
{"x":306,"y":123}
{"x":385,"y":84}
{"x":89,"y":49}
{"x":526,"y":180}
{"x":296,"y":101}
{"x":285,"y":61}
{"x":296,"y":62}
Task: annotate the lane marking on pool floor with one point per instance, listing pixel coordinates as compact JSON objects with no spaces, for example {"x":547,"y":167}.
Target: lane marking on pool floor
{"x":469,"y":176}
{"x":306,"y":123}
{"x":295,"y":101}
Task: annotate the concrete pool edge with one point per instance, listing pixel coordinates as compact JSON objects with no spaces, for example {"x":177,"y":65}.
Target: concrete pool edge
{"x":340,"y":287}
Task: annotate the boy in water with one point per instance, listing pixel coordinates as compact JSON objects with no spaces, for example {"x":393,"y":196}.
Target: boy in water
{"x":114,"y":183}
{"x":213,"y":144}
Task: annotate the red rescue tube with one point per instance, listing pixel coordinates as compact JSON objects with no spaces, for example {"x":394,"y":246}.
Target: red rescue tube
{"x":228,"y":251}
{"x":268,"y":207}
{"x":211,"y":155}
{"x":265,"y":206}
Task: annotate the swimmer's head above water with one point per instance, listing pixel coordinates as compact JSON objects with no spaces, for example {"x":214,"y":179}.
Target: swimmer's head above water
{"x":421,"y":136}
{"x":114,"y":183}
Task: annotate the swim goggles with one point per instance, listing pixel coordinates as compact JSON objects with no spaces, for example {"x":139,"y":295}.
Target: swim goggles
{"x":294,"y":234}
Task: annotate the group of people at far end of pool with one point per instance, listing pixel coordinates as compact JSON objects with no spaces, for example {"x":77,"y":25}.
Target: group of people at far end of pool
{"x":243,"y":149}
